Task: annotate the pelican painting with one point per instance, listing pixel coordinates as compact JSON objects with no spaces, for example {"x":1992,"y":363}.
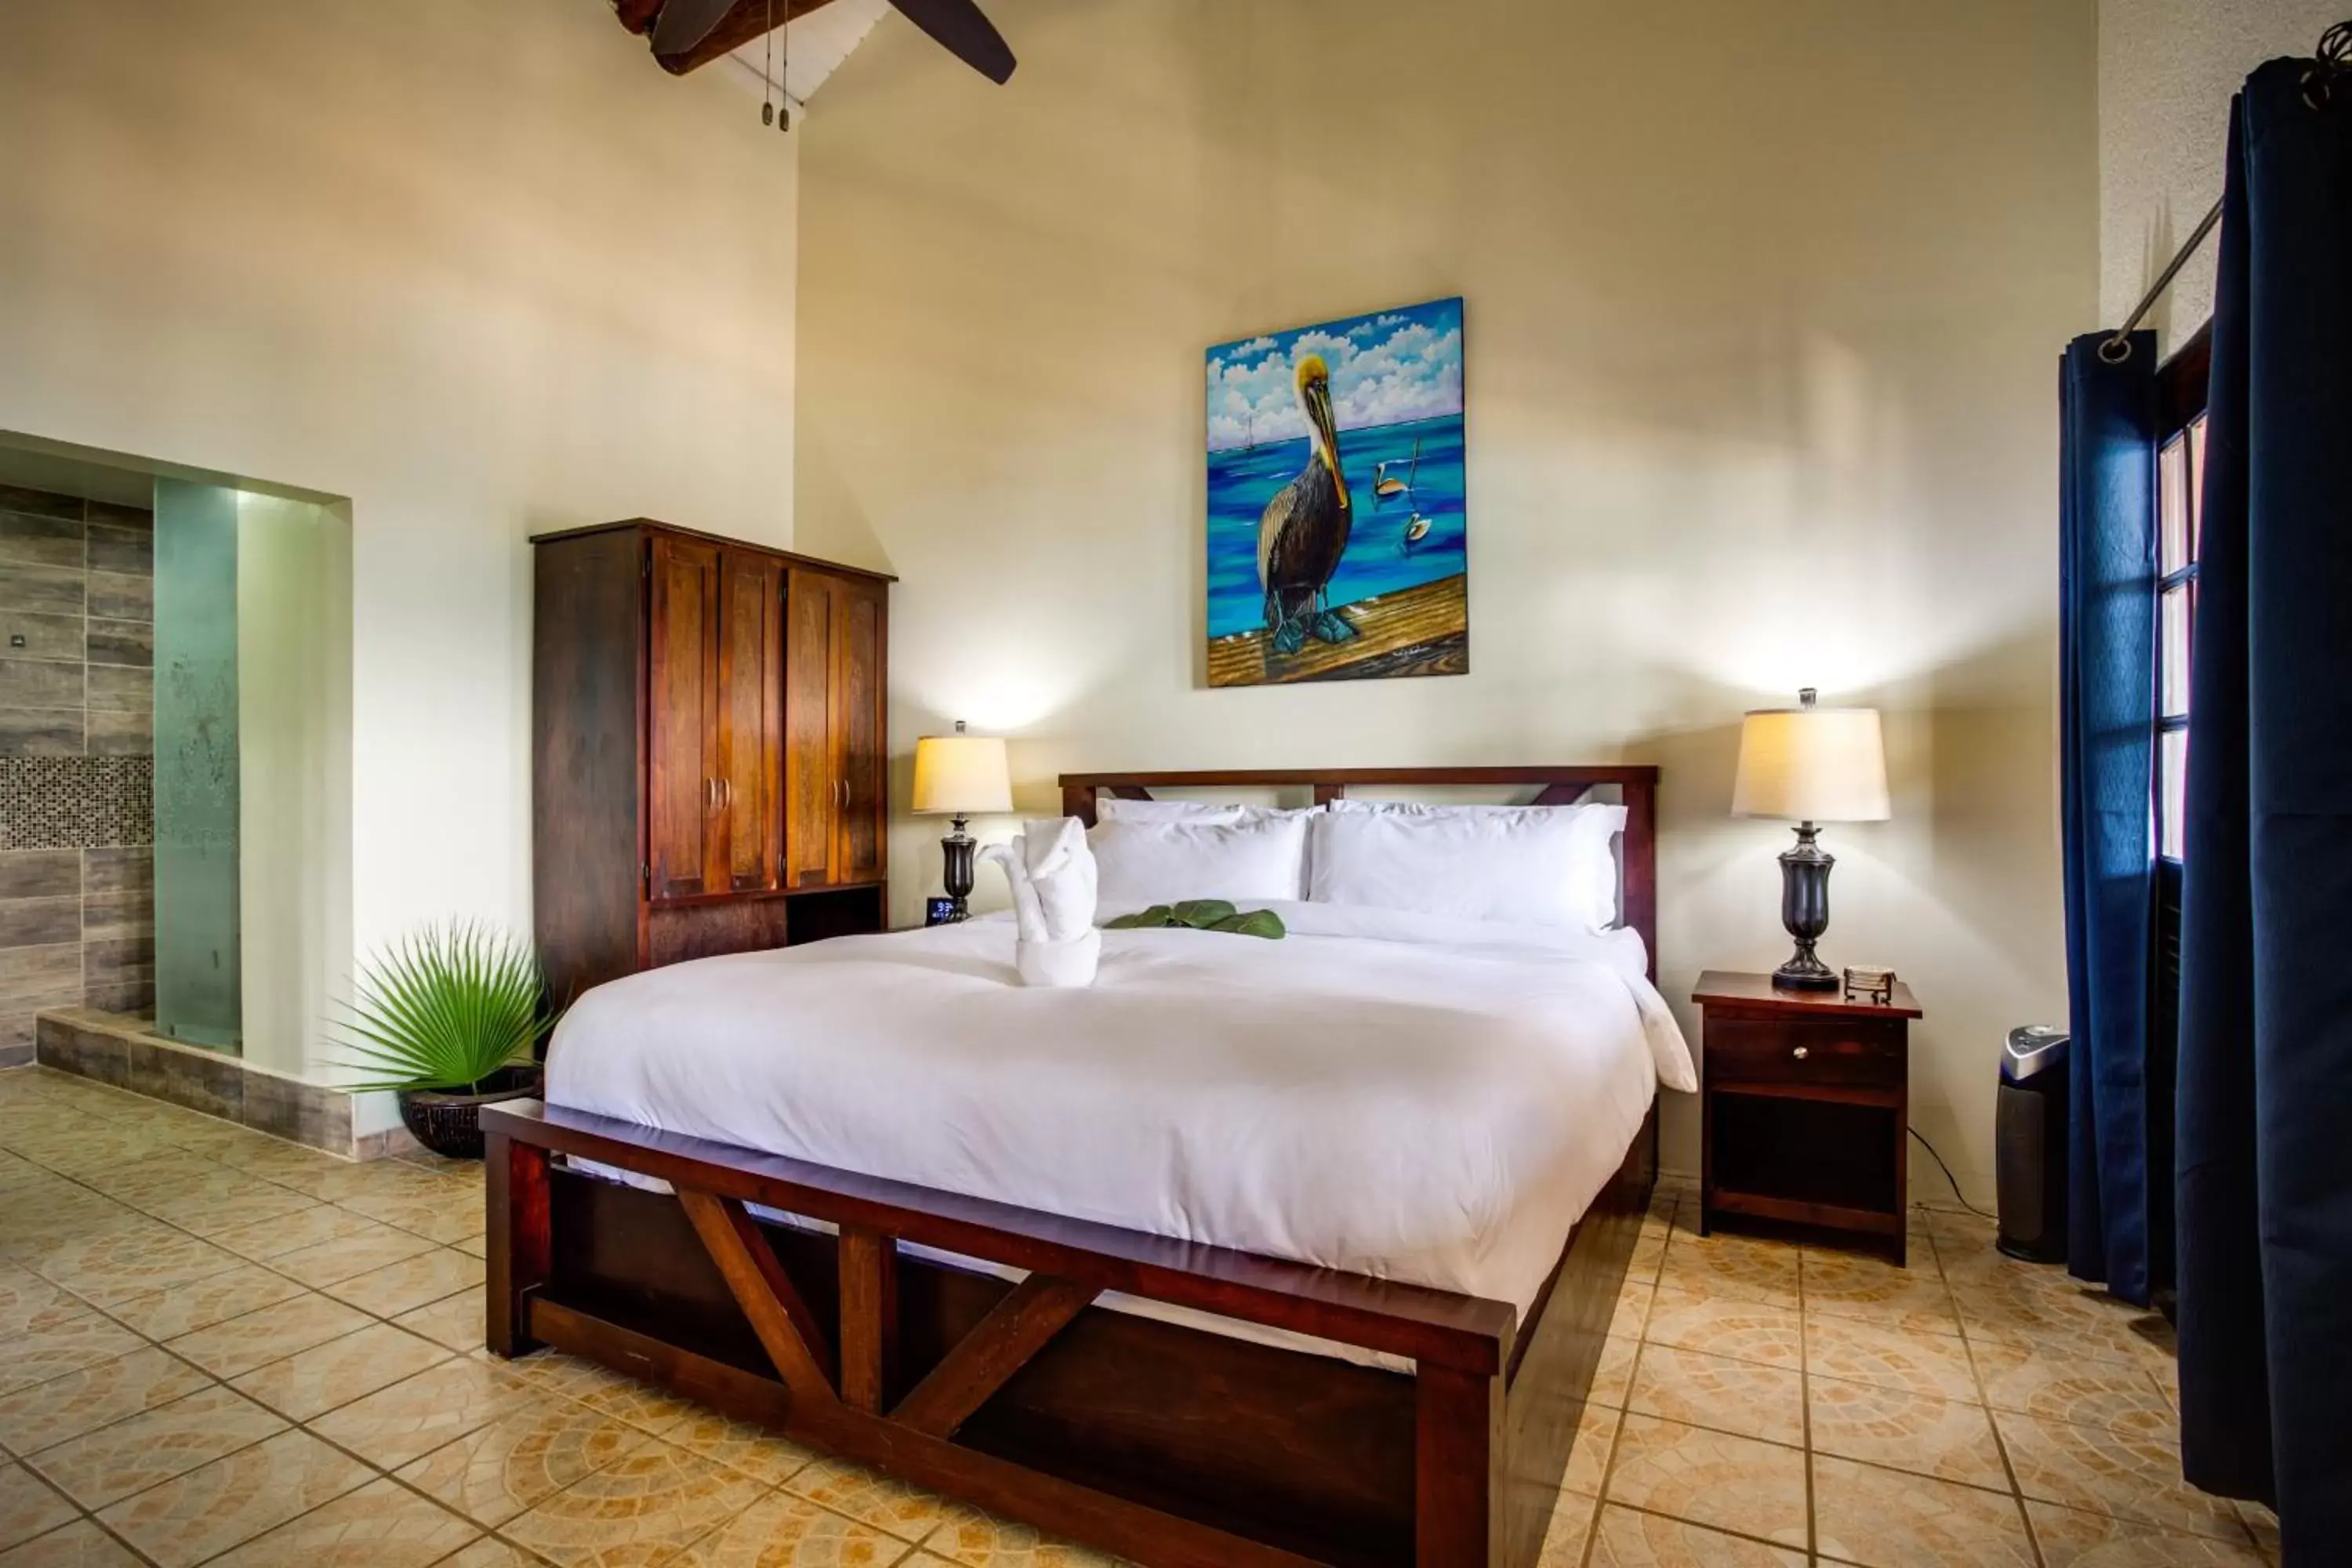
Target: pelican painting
{"x":1302,"y":425}
{"x":1304,"y":530}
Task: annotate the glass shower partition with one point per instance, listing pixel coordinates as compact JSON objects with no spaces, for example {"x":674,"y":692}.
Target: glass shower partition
{"x":197,"y":957}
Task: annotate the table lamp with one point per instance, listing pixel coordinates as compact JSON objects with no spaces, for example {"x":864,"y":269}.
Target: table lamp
{"x":960,"y":777}
{"x":1809,"y":765}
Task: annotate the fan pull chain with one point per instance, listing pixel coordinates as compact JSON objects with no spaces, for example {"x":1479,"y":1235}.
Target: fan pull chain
{"x":767,"y":68}
{"x":784,"y":38}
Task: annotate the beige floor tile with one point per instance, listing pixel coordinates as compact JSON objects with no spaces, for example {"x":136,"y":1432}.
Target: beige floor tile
{"x":2263,"y":1526}
{"x":1589,"y":1451}
{"x":781,"y":1531}
{"x":1745,"y":1330}
{"x":2120,"y":1395}
{"x":1904,"y":1431}
{"x":28,"y":1507}
{"x":232,"y":1293}
{"x":303,"y":1227}
{"x":473,"y":1246}
{"x":871,"y":1497}
{"x":1886,"y":1519}
{"x":522,"y":1458}
{"x":739,"y":1446}
{"x":123,"y":1261}
{"x":1612,"y":1375}
{"x":491,"y":1552}
{"x":261,"y":1203}
{"x":354,"y":1253}
{"x":418,"y":1414}
{"x":635,"y":1511}
{"x":230,"y":1501}
{"x":456,"y":1322}
{"x":1731,"y":1268}
{"x":2130,"y":1476}
{"x":2070,"y":1538}
{"x":974,"y":1539}
{"x":289,"y":1328}
{"x":1857,"y":1352}
{"x":80,"y":1544}
{"x":168,"y":1173}
{"x":641,"y":1404}
{"x":63,"y":1407}
{"x":335,"y":1374}
{"x":1743,"y":1397}
{"x":1648,"y":1258}
{"x":78,"y":1146}
{"x":382,"y":1525}
{"x":1635,"y":1302}
{"x":67,"y":1345}
{"x":437,"y":1216}
{"x":410,"y":1283}
{"x":1565,"y":1538}
{"x":1911,"y":1299}
{"x":105,"y":1466}
{"x":1631,"y":1539}
{"x":1710,"y":1478}
{"x":29,"y":1303}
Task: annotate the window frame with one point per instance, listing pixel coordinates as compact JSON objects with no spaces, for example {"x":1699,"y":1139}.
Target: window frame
{"x":2181,"y":384}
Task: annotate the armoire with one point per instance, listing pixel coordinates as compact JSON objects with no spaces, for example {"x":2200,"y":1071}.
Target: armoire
{"x":710,"y":730}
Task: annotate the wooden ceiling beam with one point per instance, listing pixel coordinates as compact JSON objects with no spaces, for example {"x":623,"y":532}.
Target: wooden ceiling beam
{"x":746,"y":23}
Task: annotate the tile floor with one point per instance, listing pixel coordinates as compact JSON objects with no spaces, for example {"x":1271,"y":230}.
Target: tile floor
{"x":217,"y":1347}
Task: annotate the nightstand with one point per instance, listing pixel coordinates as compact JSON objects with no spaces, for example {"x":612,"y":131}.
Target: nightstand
{"x":1805,"y":1106}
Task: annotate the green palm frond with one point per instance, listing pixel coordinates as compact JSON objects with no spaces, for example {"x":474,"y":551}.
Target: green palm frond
{"x":443,"y":1008}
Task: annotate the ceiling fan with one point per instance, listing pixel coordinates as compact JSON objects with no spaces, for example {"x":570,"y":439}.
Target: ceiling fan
{"x":683,"y":28}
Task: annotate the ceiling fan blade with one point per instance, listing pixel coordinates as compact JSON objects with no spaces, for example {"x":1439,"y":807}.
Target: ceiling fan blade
{"x":961,"y":28}
{"x":686,"y":23}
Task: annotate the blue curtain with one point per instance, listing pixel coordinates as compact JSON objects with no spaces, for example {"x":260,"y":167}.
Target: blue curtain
{"x":2265,"y":1076}
{"x":2107,"y":743}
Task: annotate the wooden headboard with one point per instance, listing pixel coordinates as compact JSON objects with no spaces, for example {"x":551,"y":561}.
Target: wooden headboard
{"x":1637,"y":788}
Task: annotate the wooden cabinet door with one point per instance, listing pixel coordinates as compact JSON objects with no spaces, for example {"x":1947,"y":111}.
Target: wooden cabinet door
{"x":683,"y":851}
{"x":751,"y":753}
{"x":861,"y":646}
{"x":812,"y":785}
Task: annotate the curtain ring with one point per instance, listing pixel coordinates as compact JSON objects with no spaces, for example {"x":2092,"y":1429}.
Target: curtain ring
{"x":2116,"y":350}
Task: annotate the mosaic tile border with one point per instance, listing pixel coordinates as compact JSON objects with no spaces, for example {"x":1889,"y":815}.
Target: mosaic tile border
{"x":76,"y":803}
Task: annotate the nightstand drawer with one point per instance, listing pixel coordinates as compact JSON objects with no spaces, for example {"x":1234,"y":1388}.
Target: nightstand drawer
{"x":1803,"y":1051}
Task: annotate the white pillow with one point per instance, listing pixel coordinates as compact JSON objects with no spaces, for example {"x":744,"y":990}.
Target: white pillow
{"x":1139,"y":864}
{"x":1546,"y":865}
{"x":1111,"y":808}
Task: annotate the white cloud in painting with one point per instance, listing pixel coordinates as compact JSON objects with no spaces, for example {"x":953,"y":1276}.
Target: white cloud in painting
{"x":1414,"y":371}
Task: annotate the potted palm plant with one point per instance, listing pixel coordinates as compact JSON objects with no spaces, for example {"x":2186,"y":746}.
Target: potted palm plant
{"x":450,"y":1018}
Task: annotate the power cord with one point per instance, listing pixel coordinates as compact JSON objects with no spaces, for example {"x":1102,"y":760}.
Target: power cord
{"x":1949,"y":1177}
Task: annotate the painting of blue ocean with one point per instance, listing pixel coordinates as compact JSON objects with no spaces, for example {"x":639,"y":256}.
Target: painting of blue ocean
{"x":1337,"y":521}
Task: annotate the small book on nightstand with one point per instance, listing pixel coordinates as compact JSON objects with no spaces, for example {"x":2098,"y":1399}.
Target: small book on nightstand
{"x":1805,"y":1106}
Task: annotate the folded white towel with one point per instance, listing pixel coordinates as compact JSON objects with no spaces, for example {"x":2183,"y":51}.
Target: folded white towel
{"x":1052,"y":872}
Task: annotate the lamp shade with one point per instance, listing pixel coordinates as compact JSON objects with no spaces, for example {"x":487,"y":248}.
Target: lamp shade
{"x":961,"y":775}
{"x":1811,"y":764}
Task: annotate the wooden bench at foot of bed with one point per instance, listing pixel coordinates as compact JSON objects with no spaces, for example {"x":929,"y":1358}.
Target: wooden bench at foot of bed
{"x":1166,"y":1444}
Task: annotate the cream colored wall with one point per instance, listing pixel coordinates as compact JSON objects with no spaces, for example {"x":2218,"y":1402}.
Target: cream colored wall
{"x":1764,"y":303}
{"x":482,"y":269}
{"x":2167,"y":69}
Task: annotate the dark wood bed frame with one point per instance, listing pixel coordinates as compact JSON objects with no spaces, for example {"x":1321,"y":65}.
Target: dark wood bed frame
{"x":1166,"y":1444}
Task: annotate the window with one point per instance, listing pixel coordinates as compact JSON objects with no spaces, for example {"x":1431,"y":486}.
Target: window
{"x":2180,"y":501}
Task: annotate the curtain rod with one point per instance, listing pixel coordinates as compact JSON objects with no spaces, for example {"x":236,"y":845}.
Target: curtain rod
{"x":2331,"y":58}
{"x":2117,"y":348}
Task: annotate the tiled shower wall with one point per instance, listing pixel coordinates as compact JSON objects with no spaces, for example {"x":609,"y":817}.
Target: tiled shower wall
{"x":76,"y":766}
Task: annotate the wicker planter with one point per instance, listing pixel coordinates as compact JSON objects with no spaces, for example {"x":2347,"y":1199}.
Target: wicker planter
{"x":450,"y":1124}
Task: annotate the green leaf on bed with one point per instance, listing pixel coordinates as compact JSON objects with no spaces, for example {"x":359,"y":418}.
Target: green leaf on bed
{"x":1202,"y":914}
{"x":1257,"y":922}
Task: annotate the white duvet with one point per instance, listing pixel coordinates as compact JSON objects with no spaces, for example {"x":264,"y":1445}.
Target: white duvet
{"x":1405,"y":1096}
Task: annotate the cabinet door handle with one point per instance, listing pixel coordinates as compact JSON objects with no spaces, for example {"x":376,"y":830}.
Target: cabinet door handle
{"x":1802,"y":1052}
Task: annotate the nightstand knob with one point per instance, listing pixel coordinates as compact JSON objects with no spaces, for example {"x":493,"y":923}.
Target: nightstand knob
{"x":1800,"y":1053}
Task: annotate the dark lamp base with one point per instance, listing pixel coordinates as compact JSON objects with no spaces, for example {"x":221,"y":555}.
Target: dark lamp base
{"x":1805,"y":913}
{"x":957,"y":850}
{"x":1805,"y":973}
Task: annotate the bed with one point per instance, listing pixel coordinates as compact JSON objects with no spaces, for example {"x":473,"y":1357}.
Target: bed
{"x":1222,"y":1263}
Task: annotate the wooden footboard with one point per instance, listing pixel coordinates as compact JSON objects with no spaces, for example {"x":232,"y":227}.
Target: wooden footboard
{"x":1163,"y":1442}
